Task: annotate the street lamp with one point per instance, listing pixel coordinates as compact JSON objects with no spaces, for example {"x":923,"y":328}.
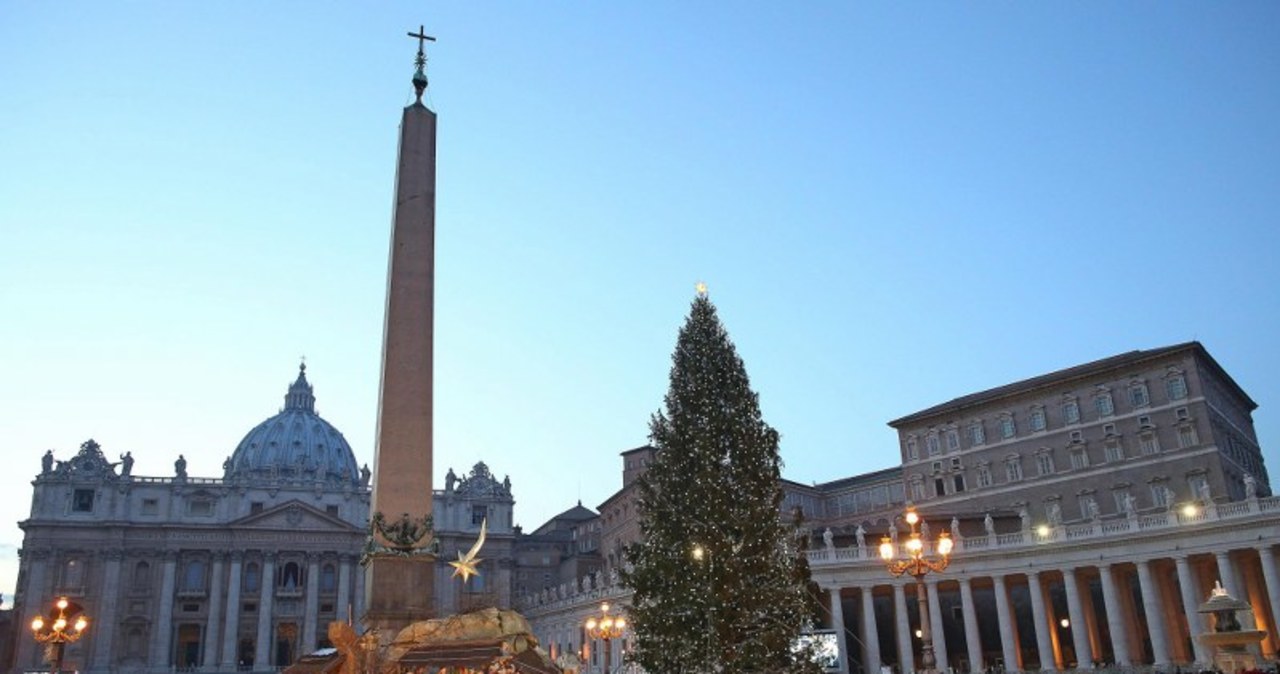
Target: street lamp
{"x":56,"y":632}
{"x":605,"y":627}
{"x":918,"y":565}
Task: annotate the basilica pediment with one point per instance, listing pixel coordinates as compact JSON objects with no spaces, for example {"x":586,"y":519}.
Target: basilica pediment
{"x":293,"y":516}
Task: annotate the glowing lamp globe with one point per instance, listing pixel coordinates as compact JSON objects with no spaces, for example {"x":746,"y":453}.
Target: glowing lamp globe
{"x":944,"y":545}
{"x":886,"y":549}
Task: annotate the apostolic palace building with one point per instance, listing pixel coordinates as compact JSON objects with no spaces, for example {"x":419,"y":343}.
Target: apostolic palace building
{"x":1093,"y":509}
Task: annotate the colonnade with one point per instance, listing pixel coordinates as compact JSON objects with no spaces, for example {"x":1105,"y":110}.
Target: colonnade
{"x":1037,"y":612}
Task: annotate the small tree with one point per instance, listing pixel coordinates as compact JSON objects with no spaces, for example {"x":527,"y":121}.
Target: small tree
{"x":717,"y":581}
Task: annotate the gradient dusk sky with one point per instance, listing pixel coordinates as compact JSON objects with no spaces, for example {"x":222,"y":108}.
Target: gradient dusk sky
{"x":893,"y":204}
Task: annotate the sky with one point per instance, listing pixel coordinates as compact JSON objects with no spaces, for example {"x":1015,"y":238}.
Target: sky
{"x":892,"y":204}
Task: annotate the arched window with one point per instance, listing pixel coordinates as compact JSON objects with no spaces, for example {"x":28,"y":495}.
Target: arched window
{"x":328,"y":579}
{"x":141,"y":576}
{"x":252,"y":578}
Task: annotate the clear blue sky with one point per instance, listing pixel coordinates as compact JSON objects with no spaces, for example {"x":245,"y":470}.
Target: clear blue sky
{"x":893,"y":204}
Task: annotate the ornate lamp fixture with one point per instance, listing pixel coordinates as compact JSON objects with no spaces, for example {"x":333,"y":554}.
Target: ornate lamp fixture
{"x":56,"y":633}
{"x":918,"y":564}
{"x":607,"y":628}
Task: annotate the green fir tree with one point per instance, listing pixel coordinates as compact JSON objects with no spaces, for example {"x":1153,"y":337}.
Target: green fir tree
{"x":718,"y":583}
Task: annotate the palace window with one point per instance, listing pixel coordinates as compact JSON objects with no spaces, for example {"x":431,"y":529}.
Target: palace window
{"x":1071,"y":412}
{"x":1121,"y":496}
{"x":939,"y":486}
{"x":1079,"y":458}
{"x":1044,"y":463}
{"x":1007,"y":427}
{"x":913,"y":453}
{"x":1138,"y":394}
{"x":1103,"y":404}
{"x":953,"y":440}
{"x":917,"y":490}
{"x":1115,"y":451}
{"x":1159,"y":495}
{"x":932,"y":443}
{"x":252,"y":578}
{"x":1013,"y":469}
{"x":984,"y":475}
{"x":1187,"y":436}
{"x":957,"y":482}
{"x":328,"y":579}
{"x":1149,"y":443}
{"x":1175,"y":386}
{"x":977,"y":435}
{"x":1037,"y":418}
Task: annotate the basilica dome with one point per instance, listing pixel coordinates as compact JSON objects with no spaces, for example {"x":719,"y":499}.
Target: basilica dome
{"x":295,"y":445}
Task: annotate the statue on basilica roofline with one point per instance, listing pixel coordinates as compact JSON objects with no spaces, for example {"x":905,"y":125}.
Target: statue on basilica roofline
{"x":46,"y":463}
{"x":365,"y":475}
{"x":126,"y":464}
{"x":860,"y":534}
{"x":955,"y":529}
{"x":450,"y":480}
{"x":1250,"y":486}
{"x":180,"y":467}
{"x":989,"y":524}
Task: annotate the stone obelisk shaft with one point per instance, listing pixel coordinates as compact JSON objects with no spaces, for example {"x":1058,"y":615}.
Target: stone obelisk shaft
{"x":401,"y":590}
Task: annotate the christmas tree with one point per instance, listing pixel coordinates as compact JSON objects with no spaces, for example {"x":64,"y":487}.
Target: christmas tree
{"x":718,"y":583}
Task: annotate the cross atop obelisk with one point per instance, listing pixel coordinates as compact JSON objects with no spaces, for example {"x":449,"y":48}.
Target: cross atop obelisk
{"x":420,"y":75}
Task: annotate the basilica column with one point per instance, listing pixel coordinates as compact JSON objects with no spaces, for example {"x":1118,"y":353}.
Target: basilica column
{"x":1040,"y":619}
{"x":1115,"y":617}
{"x":344,"y":588}
{"x":1226,"y":574}
{"x":161,"y":652}
{"x":972,"y":637}
{"x":1079,"y":624}
{"x":1008,"y":635}
{"x":211,"y":645}
{"x":262,"y":649}
{"x":870,"y":634}
{"x":837,"y":623}
{"x":33,"y":600}
{"x":231,"y":627}
{"x":906,"y":656}
{"x":936,"y":632}
{"x":1267,"y":559}
{"x":105,"y":638}
{"x":313,"y":604}
{"x":1151,"y":606}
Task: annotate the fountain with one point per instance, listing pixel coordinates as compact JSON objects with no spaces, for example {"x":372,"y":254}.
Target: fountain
{"x":1233,"y":648}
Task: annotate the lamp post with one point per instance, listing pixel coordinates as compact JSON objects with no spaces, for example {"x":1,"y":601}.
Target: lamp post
{"x":918,"y":565}
{"x":607,"y":628}
{"x":56,"y":632}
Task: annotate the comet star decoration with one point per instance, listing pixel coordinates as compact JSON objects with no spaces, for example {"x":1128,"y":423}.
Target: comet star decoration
{"x":466,"y":564}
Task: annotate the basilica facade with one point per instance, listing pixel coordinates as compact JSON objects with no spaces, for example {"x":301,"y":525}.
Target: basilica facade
{"x":239,"y":572}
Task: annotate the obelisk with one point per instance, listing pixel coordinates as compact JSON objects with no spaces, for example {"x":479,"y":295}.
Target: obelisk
{"x":400,"y":590}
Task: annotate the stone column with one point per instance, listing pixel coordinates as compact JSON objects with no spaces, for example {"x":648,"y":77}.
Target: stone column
{"x":344,"y":588}
{"x":1226,"y":574}
{"x":211,"y":643}
{"x":1008,"y":635}
{"x":938,"y":634}
{"x":870,"y":634}
{"x":313,"y":604}
{"x":231,"y":627}
{"x":263,"y":647}
{"x":1152,"y":607}
{"x":1040,"y":619}
{"x":972,"y":637}
{"x":1079,"y":624}
{"x":161,"y":651}
{"x":837,"y":623}
{"x":1115,"y":617}
{"x":105,"y":638}
{"x":906,"y":655}
{"x":1267,"y":559}
{"x":34,"y":598}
